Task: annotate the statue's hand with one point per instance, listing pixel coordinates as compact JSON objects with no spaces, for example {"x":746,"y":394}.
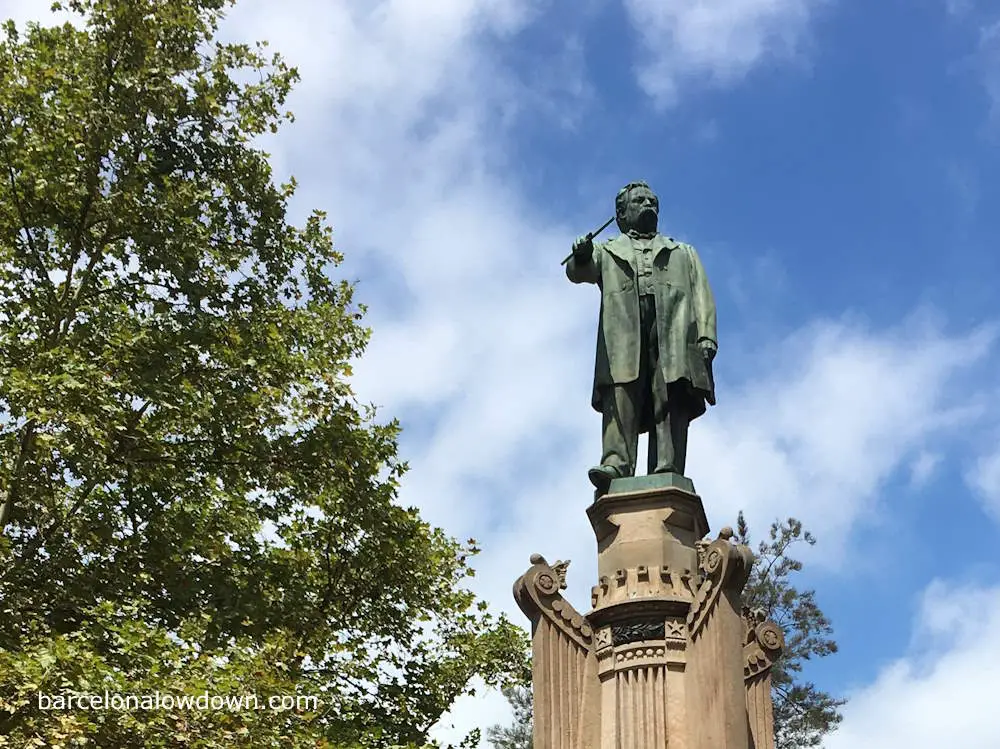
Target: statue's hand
{"x":583,"y":248}
{"x":708,"y":350}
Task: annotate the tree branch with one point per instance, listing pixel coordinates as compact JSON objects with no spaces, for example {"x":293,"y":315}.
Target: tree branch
{"x":33,"y":254}
{"x":13,"y":486}
{"x":83,"y":493}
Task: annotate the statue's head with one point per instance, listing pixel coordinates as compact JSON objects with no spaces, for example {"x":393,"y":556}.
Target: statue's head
{"x":636,"y":207}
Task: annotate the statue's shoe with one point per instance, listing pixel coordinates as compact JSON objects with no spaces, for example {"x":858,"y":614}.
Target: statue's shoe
{"x":668,"y":469}
{"x":602,"y":476}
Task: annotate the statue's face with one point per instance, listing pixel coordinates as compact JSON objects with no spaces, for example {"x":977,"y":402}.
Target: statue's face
{"x":642,"y":209}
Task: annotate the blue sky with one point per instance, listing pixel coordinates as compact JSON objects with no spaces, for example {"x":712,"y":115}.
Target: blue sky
{"x":837,"y":166}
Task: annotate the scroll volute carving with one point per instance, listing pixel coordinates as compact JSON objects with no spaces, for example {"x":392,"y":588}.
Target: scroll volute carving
{"x":763,"y":643}
{"x":725,"y":566}
{"x":537,"y":593}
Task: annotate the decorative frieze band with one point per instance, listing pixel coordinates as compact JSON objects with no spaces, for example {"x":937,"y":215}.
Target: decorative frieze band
{"x":638,"y":631}
{"x":645,"y":582}
{"x":640,"y":656}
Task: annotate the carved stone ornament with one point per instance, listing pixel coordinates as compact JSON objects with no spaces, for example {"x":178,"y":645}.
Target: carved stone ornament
{"x":636,"y":631}
{"x":537,"y":594}
{"x":724,"y":565}
{"x":560,"y":568}
{"x":604,"y":639}
{"x":763,"y":643}
{"x":639,"y":656}
{"x":675,"y":629}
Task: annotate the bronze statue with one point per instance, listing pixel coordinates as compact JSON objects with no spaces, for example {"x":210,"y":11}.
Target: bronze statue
{"x":656,"y":338}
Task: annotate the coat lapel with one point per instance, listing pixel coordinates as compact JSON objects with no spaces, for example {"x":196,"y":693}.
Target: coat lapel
{"x":662,"y":243}
{"x":621,"y":248}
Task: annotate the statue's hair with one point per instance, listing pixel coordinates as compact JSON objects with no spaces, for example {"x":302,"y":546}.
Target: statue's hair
{"x":621,"y":202}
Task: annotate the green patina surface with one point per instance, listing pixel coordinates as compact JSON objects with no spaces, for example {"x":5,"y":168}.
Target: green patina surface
{"x":652,"y":481}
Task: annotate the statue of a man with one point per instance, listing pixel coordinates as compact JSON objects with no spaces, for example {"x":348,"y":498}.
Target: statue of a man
{"x":656,"y":338}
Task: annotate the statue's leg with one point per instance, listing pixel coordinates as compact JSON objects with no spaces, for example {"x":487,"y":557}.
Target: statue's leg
{"x":646,"y":401}
{"x":654,"y":460}
{"x":678,"y":420}
{"x":663,"y":457}
{"x":661,"y":448}
{"x":663,"y":453}
{"x":621,"y":428}
{"x":671,"y":429}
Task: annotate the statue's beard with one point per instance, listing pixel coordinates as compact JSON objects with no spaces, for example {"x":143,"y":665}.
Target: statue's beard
{"x":645,"y":222}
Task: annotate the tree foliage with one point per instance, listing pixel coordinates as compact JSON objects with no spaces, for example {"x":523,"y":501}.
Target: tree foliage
{"x":517,"y":735}
{"x":191,"y":497}
{"x":803,"y":714}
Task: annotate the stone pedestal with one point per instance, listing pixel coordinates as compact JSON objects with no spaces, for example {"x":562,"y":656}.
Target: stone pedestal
{"x":666,"y":657}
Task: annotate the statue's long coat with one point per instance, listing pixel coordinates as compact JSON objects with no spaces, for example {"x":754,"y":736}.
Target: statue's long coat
{"x":685,"y":315}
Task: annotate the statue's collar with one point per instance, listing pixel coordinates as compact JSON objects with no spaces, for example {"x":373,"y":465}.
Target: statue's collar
{"x":635,"y":234}
{"x":622,"y":247}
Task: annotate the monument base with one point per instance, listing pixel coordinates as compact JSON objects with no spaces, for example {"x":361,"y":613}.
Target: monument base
{"x":647,"y":530}
{"x":666,"y":656}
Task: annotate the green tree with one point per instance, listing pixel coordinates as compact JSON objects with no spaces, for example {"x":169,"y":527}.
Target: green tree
{"x":191,"y":497}
{"x":803,"y":714}
{"x":518,"y":734}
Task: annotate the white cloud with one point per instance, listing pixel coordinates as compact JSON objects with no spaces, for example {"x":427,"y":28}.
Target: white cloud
{"x":985,"y":57}
{"x":984,"y":479}
{"x":959,"y":7}
{"x":944,"y":691}
{"x":718,"y":40}
{"x":832,"y":413}
{"x":965,"y":185}
{"x":989,"y":63}
{"x":922,"y":468}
